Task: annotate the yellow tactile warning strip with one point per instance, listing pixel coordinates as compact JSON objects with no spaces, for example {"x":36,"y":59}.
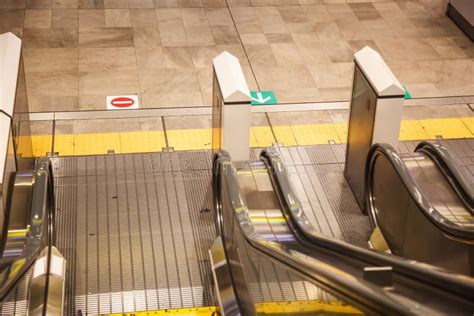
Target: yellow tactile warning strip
{"x":190,"y":139}
{"x":199,"y":139}
{"x":267,"y":308}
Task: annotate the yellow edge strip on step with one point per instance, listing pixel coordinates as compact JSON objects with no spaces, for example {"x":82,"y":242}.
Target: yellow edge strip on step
{"x":199,"y":139}
{"x":310,"y":307}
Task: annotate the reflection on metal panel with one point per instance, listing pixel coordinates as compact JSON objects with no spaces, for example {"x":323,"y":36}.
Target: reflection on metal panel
{"x":361,"y":125}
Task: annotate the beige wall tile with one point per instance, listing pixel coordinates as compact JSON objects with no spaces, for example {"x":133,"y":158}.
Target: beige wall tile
{"x":65,"y":4}
{"x":176,"y":80}
{"x":279,"y":38}
{"x":107,"y":71}
{"x":283,"y":77}
{"x":334,"y":75}
{"x":297,"y":95}
{"x":11,"y":19}
{"x":13,"y":4}
{"x":52,"y":83}
{"x":116,"y":4}
{"x":272,"y":24}
{"x":420,"y":49}
{"x":199,"y":35}
{"x":188,"y":122}
{"x":166,"y":3}
{"x":141,"y":4}
{"x":178,"y":57}
{"x":117,"y":18}
{"x":106,"y":37}
{"x":203,"y":55}
{"x":50,"y":38}
{"x":173,"y":35}
{"x":91,"y":4}
{"x":38,"y":18}
{"x":317,"y":13}
{"x":42,"y":103}
{"x":446,"y":48}
{"x":236,"y":50}
{"x":171,"y":100}
{"x":143,"y":17}
{"x":194,"y":17}
{"x":39,"y":4}
{"x":287,"y":54}
{"x":146,"y":36}
{"x":150,"y":57}
{"x":335,"y":94}
{"x":261,"y":54}
{"x":338,"y":51}
{"x":219,"y":16}
{"x":91,"y":18}
{"x":65,"y":18}
{"x":253,"y":39}
{"x":225,"y":34}
{"x":50,"y":59}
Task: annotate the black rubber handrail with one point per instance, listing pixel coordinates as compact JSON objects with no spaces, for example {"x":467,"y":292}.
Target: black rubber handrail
{"x":446,"y":163}
{"x":362,"y":294}
{"x":42,"y":196}
{"x":427,"y":209}
{"x":219,"y":221}
{"x":431,"y":276}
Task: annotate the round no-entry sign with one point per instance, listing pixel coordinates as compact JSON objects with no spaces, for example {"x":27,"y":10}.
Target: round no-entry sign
{"x":122,"y":102}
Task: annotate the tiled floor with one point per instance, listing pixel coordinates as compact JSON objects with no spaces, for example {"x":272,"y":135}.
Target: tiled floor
{"x":78,"y":51}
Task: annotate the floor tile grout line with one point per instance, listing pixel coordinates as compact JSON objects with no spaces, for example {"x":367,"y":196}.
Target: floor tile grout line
{"x":242,"y":44}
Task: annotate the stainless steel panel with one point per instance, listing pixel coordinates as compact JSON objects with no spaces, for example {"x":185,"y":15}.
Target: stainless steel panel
{"x":360,"y":132}
{"x":6,"y":183}
{"x":410,"y":232}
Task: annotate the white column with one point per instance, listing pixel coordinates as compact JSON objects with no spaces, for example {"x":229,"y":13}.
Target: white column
{"x":232,"y":96}
{"x":390,"y":96}
{"x":10,"y":51}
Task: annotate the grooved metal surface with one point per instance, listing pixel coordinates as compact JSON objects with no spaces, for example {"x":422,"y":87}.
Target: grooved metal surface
{"x":316,"y":173}
{"x":133,"y":231}
{"x":16,"y":303}
{"x":267,"y":281}
{"x":461,"y":149}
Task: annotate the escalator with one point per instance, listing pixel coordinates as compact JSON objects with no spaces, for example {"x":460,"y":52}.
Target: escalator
{"x":422,"y":205}
{"x":31,"y":269}
{"x":261,"y":223}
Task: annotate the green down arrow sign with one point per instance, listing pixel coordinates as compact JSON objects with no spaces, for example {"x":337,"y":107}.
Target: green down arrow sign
{"x":263,"y":97}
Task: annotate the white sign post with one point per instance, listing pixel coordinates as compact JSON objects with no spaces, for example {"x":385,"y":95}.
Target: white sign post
{"x":231,"y":108}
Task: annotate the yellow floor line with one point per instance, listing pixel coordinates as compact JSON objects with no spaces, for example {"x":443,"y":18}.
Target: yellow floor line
{"x":469,"y":122}
{"x":200,"y":311}
{"x":260,"y":136}
{"x":314,"y":134}
{"x":412,"y":130}
{"x":139,"y":142}
{"x":284,"y":135}
{"x":447,"y":128}
{"x":341,"y":131}
{"x":37,"y":146}
{"x":309,"y":307}
{"x":190,"y":139}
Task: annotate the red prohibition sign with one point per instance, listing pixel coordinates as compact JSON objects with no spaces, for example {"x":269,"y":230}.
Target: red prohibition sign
{"x":122,"y":102}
